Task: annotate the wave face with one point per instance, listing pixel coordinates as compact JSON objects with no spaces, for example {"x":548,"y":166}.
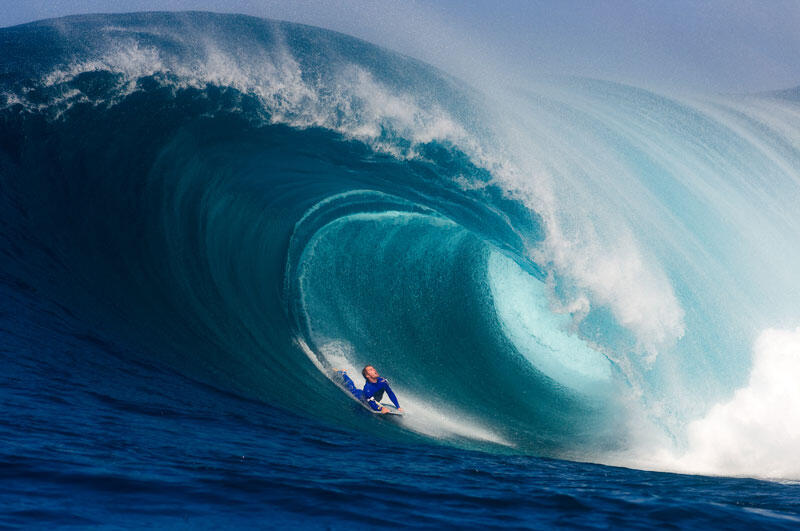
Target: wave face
{"x":576,"y":269}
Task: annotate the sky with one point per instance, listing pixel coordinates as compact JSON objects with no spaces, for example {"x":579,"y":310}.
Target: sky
{"x":708,"y":46}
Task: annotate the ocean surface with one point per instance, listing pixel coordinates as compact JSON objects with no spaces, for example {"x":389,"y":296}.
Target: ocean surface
{"x":584,"y":293}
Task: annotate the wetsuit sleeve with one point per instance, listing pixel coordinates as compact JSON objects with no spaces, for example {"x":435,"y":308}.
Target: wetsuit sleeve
{"x":373,"y":404}
{"x":390,"y":393}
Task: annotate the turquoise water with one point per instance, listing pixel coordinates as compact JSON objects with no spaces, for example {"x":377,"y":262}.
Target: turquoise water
{"x":203,"y":214}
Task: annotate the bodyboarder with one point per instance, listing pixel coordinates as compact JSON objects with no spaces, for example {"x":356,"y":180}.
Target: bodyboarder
{"x":373,"y":390}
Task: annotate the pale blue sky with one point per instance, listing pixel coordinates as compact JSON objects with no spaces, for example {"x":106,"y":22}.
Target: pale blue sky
{"x":733,"y":46}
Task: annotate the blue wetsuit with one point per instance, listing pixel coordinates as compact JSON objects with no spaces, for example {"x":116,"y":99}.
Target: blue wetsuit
{"x":372,"y":392}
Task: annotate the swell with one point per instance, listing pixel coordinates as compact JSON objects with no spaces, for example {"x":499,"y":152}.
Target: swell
{"x":201,"y":222}
{"x":253,"y":203}
{"x":190,"y":244}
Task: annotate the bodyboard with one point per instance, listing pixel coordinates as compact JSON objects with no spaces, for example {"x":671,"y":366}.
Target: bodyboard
{"x":390,"y":407}
{"x":392,"y":410}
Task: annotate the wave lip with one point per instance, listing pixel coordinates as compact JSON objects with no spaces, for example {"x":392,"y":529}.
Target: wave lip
{"x":295,"y":74}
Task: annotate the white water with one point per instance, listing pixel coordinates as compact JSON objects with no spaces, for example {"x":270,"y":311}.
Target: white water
{"x":757,"y":431}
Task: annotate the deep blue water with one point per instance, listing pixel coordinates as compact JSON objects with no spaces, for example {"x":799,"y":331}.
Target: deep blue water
{"x":91,"y":438}
{"x":202,"y":215}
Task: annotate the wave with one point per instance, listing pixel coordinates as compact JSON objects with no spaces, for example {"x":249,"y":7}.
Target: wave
{"x":574,"y":268}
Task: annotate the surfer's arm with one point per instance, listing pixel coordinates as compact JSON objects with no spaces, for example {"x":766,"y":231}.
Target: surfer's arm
{"x":391,"y":394}
{"x":373,"y":404}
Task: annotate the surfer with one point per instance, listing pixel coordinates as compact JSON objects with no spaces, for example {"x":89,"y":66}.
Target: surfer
{"x":374,"y":387}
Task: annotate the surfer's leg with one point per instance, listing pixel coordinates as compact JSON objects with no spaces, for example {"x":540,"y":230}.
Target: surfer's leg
{"x":349,"y":385}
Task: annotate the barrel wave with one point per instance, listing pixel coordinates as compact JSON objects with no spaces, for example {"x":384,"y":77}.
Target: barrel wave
{"x":575,"y":268}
